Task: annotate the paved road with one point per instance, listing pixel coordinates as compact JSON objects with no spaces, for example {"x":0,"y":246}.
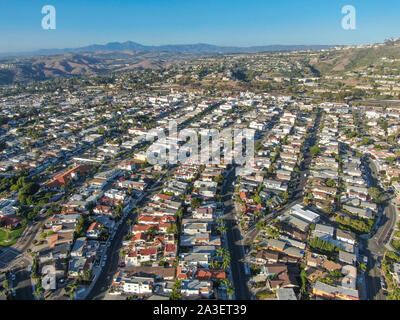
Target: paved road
{"x":375,"y":244}
{"x":372,"y":247}
{"x":106,"y":276}
{"x":237,"y":244}
{"x":25,"y":241}
{"x":23,"y":285}
{"x":20,"y":264}
{"x":236,"y":248}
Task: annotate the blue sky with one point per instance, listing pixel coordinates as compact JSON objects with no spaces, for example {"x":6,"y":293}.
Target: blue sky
{"x":220,"y":22}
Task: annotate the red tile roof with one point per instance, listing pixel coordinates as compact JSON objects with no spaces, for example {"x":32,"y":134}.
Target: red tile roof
{"x":148,"y":251}
{"x":65,"y":177}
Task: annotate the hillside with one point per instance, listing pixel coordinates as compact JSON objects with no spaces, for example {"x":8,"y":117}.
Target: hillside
{"x":70,"y":64}
{"x":355,"y":59}
{"x":121,"y":57}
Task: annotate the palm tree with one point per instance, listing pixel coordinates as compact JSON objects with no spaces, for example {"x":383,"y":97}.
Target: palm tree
{"x":222,"y":229}
{"x":226,"y":262}
{"x":225,"y":282}
{"x":122,"y":253}
{"x":129,"y":222}
{"x":72,"y":289}
{"x":214,"y":264}
{"x":39,"y":289}
{"x":220,"y":252}
{"x":230,"y":291}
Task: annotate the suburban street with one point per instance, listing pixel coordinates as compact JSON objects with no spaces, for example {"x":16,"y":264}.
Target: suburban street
{"x":238,"y":243}
{"x":105,"y":278}
{"x":23,"y":285}
{"x":375,"y":244}
{"x":196,"y":160}
{"x":237,"y":248}
{"x":298,"y":192}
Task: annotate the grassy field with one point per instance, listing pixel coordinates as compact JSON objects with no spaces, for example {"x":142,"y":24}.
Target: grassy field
{"x":8,"y":238}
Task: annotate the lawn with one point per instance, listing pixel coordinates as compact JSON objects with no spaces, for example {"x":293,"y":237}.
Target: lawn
{"x":8,"y":238}
{"x":266,"y":294}
{"x":395,"y":244}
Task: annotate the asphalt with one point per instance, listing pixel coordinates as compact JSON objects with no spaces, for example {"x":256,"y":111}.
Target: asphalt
{"x":237,"y":243}
{"x":374,"y":245}
{"x":23,"y":285}
{"x":236,"y":247}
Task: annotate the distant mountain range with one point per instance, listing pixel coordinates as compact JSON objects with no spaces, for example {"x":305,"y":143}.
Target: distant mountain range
{"x":47,"y":66}
{"x":116,"y":57}
{"x":186,"y":48}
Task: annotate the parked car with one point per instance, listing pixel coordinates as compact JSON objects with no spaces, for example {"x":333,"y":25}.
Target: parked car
{"x":383,"y":283}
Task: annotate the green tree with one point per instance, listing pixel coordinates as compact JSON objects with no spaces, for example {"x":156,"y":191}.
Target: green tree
{"x":71,"y":289}
{"x":179,"y":213}
{"x":315,"y":150}
{"x":152,"y":231}
{"x":230,"y":290}
{"x":129,"y":222}
{"x":86,"y":275}
{"x":390,"y":160}
{"x":6,"y":284}
{"x":257,"y":199}
{"x":374,"y":193}
{"x":39,"y":289}
{"x":195,"y":202}
{"x":219,"y":179}
{"x":176,"y":291}
{"x":331,"y":183}
{"x":173,"y":228}
{"x":222,"y":229}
